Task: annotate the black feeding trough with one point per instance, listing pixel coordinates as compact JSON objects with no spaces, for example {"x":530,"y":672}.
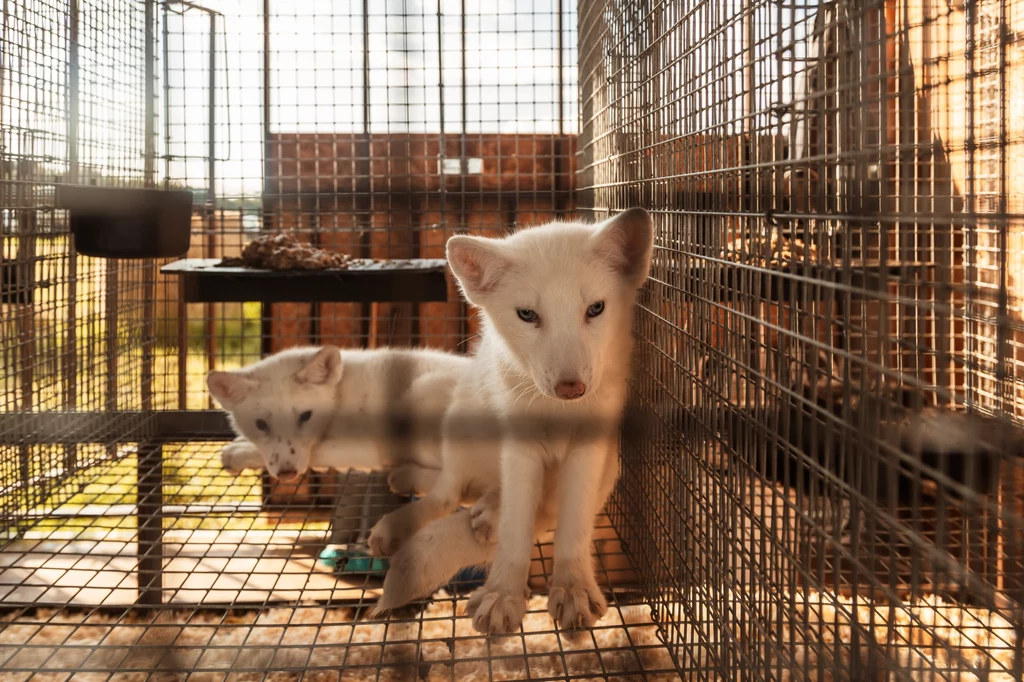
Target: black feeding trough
{"x":115,"y":222}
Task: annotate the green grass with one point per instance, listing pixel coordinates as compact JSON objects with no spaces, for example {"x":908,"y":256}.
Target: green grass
{"x":38,"y":337}
{"x":192,"y":475}
{"x":237,"y":332}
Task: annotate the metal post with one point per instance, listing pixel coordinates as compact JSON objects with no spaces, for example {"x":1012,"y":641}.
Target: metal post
{"x":561,"y":72}
{"x":363,"y":186}
{"x":182,"y":312}
{"x":971,"y":208}
{"x":73,"y":90}
{"x":462,"y":83}
{"x":559,"y":186}
{"x":150,"y":524}
{"x":440,"y":94}
{"x":149,"y":460}
{"x":71,"y":355}
{"x":463,"y":310}
{"x":149,"y":267}
{"x":112,"y":340}
{"x":442,"y":143}
{"x":266,"y":309}
{"x":211,"y":193}
{"x":211,"y":164}
{"x":150,"y":102}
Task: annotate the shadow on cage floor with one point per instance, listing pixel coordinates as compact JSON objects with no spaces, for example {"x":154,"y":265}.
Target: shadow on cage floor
{"x":261,"y":557}
{"x":201,"y":567}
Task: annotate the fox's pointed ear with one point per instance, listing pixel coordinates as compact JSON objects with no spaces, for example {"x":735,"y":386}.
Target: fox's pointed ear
{"x":229,"y":388}
{"x":477,"y":263}
{"x":324,"y":368}
{"x":625,"y":242}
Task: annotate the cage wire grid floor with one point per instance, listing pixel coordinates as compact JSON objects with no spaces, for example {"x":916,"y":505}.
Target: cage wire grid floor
{"x":245,"y":594}
{"x":245,"y":598}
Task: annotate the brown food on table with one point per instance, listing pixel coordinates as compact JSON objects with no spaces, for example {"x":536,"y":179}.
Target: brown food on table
{"x":284,"y":252}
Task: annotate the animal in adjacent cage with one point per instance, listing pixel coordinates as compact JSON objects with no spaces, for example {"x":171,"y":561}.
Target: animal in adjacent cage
{"x":885,"y":449}
{"x":959,"y":450}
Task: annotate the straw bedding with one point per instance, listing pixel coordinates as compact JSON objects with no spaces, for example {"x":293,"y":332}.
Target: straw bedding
{"x":927,"y":639}
{"x":316,"y":643}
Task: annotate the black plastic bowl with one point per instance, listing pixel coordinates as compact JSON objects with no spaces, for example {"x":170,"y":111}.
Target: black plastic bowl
{"x":114,"y":222}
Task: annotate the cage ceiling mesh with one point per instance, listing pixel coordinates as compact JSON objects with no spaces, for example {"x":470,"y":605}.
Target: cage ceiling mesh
{"x":821,"y":464}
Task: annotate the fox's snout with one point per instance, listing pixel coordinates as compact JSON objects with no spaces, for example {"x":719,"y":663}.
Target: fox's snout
{"x":287,"y":474}
{"x":287,"y":460}
{"x":564,"y":365}
{"x":570,"y":389}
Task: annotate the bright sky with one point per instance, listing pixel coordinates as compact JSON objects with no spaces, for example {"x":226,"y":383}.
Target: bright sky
{"x":316,"y":80}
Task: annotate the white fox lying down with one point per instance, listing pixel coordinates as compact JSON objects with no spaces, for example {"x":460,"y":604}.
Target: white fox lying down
{"x":327,"y":408}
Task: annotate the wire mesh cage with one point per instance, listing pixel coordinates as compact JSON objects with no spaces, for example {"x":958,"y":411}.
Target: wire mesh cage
{"x":821,"y":469}
{"x":829,"y":329}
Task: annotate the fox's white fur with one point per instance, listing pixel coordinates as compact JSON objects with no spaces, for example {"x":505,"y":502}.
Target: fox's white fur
{"x":326,"y":408}
{"x":555,"y":461}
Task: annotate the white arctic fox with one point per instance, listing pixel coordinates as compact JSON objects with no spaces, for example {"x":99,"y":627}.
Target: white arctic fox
{"x":326,"y":408}
{"x":551,"y":373}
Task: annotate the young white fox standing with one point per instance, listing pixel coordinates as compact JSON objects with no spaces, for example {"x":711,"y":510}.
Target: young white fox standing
{"x":551,"y":372}
{"x":325,"y":408}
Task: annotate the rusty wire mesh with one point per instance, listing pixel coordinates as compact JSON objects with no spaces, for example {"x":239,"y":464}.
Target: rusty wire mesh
{"x":73,"y":338}
{"x":376,"y":129}
{"x":829,"y":339}
{"x":837,"y":195}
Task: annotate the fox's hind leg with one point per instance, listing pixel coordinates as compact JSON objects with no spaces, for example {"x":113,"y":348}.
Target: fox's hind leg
{"x":412,"y":479}
{"x":395,"y":528}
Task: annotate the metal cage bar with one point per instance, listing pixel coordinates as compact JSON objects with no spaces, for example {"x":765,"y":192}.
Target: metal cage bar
{"x":821,"y":470}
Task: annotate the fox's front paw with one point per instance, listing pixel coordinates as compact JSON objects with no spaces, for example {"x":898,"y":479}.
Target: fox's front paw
{"x":483,"y":518}
{"x":576,"y":603}
{"x":497,"y":610}
{"x":387,"y":535}
{"x":240,"y":455}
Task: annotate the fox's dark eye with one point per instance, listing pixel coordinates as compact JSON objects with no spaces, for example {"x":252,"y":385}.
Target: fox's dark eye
{"x":304,"y":417}
{"x":526,"y":315}
{"x":595,"y":309}
{"x":263,"y":426}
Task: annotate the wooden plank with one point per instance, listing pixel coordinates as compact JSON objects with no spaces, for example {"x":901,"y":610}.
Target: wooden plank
{"x":393,"y":235}
{"x":339,"y":323}
{"x":291,"y":324}
{"x":401,"y":164}
{"x":441,"y":323}
{"x":485,"y":220}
